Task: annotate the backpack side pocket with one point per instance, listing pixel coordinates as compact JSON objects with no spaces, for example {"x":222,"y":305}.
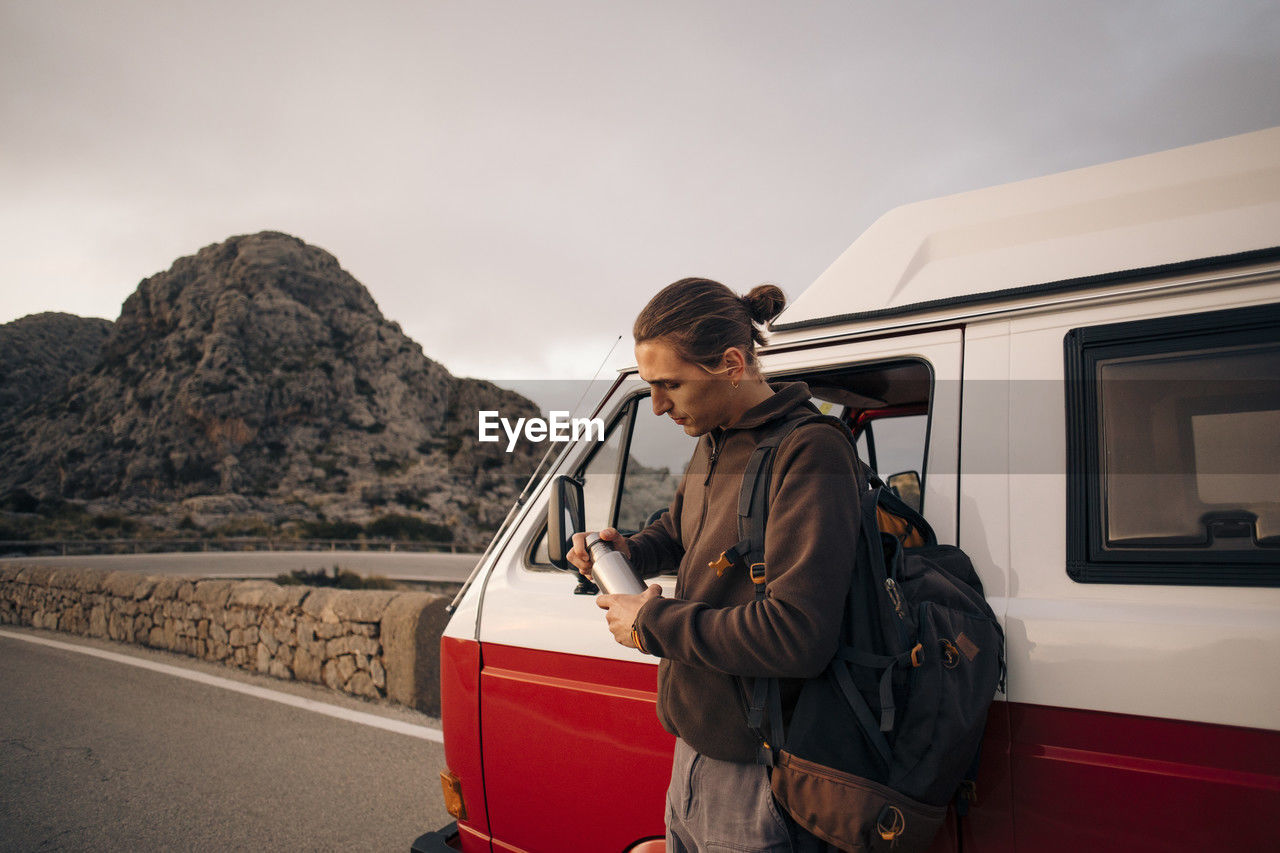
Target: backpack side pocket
{"x":946,"y":710}
{"x":851,"y":812}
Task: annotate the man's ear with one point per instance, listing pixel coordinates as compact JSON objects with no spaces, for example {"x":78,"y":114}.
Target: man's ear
{"x":735,"y":364}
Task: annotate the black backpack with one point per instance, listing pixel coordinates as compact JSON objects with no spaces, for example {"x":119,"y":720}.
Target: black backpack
{"x":878,"y":744}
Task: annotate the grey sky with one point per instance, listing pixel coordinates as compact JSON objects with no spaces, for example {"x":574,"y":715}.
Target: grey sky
{"x":513,"y":180}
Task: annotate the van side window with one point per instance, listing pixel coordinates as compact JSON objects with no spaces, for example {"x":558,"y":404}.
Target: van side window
{"x":656,"y":458}
{"x":631,"y":497}
{"x":894,"y":444}
{"x":886,"y":405}
{"x":600,"y":476}
{"x":1174,"y":450}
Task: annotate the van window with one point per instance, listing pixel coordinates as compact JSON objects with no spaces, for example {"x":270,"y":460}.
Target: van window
{"x":601,"y":474}
{"x":631,"y":497}
{"x":882,"y":403}
{"x":886,"y":406}
{"x":1174,"y":450}
{"x":893,"y":444}
{"x":656,"y":458}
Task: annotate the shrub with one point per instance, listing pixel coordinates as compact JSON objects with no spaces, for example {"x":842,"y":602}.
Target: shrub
{"x":410,"y":498}
{"x":341,"y":578}
{"x":118,"y":523}
{"x":331,"y":530}
{"x":408,"y":527}
{"x":20,"y":500}
{"x":13,"y":533}
{"x":243,"y":527}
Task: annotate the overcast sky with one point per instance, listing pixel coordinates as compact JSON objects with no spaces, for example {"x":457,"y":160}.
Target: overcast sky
{"x":513,"y":180}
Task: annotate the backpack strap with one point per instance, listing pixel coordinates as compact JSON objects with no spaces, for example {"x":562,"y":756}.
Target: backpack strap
{"x":887,"y":611}
{"x":967,"y":794}
{"x":886,"y":663}
{"x":763,"y":694}
{"x":870,"y":727}
{"x":753,"y":497}
{"x":893,"y":620}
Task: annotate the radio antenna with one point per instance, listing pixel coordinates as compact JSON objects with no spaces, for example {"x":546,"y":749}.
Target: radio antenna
{"x":605,"y":361}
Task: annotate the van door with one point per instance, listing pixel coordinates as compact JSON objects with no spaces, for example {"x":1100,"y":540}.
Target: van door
{"x":903,"y":398}
{"x":573,"y":755}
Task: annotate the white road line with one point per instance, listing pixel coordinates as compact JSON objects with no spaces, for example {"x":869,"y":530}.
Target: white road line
{"x":410,"y":729}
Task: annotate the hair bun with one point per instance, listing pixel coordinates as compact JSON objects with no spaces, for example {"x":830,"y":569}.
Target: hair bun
{"x":765,"y":302}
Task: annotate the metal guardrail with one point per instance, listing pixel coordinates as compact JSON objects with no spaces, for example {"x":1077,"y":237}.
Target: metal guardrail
{"x":82,"y":547}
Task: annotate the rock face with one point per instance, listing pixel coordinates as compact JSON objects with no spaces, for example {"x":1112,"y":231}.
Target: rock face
{"x":40,"y":352}
{"x":258,"y":377}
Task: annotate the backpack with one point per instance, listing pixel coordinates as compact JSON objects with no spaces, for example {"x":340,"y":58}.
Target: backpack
{"x":879,"y":743}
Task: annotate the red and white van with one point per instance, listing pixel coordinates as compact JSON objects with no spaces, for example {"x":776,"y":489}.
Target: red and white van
{"x":1084,"y":372}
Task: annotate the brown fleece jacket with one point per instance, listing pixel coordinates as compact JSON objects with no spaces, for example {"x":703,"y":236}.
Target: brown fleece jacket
{"x":712,"y":628}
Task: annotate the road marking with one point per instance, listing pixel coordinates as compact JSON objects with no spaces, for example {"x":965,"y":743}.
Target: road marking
{"x":361,"y":717}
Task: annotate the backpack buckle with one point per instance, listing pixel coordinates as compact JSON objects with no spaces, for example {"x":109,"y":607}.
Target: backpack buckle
{"x":729,"y":557}
{"x":916,"y":658}
{"x":757,"y":573}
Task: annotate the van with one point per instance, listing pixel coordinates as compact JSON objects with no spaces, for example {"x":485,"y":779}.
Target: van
{"x":1077,"y":380}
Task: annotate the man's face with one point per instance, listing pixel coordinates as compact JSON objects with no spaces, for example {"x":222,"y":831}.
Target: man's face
{"x":697,"y":400}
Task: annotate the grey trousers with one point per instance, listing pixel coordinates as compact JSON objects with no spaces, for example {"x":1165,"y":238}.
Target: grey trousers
{"x":725,"y":805}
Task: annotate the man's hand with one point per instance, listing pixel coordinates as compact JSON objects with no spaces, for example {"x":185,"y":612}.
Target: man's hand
{"x":580,"y":557}
{"x":622,"y":610}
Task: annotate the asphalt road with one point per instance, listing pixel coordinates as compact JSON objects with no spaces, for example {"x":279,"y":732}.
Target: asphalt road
{"x":101,"y":755}
{"x":400,"y":565}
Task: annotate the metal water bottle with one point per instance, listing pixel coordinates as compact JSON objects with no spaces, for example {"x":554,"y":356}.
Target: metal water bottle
{"x":610,"y":570}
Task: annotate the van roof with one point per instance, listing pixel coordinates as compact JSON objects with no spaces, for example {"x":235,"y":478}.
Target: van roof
{"x":1059,"y":232}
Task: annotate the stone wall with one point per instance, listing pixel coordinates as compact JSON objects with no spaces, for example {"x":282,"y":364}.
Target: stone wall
{"x":375,"y":644}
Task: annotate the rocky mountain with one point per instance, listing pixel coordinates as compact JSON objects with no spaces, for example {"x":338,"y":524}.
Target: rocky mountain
{"x":40,"y":352}
{"x":256,"y":379}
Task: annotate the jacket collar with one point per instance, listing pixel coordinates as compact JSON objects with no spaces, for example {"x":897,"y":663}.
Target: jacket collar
{"x":786,"y":398}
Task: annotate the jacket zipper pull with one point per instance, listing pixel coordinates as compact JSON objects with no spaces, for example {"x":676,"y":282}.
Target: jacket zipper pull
{"x":711,"y":463}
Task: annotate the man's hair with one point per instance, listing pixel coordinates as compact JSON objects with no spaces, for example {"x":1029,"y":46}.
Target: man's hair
{"x":700,"y":319}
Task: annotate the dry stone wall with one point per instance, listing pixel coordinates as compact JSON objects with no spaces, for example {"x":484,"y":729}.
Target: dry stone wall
{"x":376,"y":644}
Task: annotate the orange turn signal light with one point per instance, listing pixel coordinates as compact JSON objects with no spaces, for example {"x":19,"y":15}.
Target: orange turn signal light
{"x":452,"y":787}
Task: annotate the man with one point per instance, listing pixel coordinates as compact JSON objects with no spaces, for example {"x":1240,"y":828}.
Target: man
{"x":695,"y":347}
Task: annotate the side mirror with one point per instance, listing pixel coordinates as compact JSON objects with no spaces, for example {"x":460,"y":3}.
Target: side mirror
{"x":906,"y":485}
{"x":565,"y":517}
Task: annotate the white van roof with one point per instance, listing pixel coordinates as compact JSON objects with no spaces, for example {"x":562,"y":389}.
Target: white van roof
{"x":1059,"y":232}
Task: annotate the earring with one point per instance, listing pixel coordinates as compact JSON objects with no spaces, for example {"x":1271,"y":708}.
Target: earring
{"x":734,"y":385}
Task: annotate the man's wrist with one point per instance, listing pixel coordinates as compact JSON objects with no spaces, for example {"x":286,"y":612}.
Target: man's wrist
{"x":637,"y":639}
{"x":637,"y":629}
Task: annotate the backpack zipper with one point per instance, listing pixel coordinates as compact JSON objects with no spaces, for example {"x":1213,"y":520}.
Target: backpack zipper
{"x":895,"y":597}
